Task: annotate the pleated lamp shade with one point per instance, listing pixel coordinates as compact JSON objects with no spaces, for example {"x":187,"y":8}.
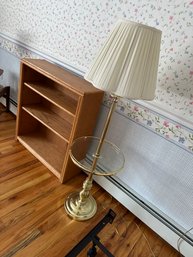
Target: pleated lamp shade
{"x":127,"y":63}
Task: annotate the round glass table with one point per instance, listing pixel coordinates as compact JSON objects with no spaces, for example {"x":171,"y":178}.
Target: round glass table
{"x":95,"y":158}
{"x":109,"y":161}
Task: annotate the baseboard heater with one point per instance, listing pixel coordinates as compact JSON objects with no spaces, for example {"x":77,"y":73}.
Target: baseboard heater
{"x":13,"y":102}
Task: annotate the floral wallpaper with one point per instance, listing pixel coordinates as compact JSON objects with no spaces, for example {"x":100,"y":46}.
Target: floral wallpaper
{"x":175,"y":77}
{"x":72,"y":31}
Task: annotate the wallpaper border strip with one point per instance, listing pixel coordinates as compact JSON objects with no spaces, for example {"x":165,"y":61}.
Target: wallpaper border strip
{"x":22,"y":50}
{"x":166,"y":127}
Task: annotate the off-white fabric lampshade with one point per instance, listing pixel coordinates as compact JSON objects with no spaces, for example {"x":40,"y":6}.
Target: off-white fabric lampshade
{"x":127,"y":64}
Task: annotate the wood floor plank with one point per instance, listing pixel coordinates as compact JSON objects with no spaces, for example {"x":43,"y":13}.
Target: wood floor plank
{"x":33,"y":222}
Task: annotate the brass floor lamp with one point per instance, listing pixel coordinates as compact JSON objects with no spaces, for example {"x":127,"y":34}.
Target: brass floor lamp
{"x":126,"y":66}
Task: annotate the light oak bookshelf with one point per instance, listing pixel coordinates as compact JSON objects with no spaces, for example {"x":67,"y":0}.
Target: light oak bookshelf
{"x":54,"y":107}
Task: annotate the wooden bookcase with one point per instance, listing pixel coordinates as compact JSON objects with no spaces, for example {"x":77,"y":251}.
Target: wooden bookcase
{"x":54,"y":107}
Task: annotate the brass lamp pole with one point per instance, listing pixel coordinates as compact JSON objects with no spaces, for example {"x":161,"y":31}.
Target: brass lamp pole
{"x":104,"y":132}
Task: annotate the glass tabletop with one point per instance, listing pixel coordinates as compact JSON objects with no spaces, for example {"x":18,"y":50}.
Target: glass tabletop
{"x":110,"y":160}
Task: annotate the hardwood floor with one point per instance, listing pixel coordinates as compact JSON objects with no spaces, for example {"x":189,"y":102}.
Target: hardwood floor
{"x":32,"y":218}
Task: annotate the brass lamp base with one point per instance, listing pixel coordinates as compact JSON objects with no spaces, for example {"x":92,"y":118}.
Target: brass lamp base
{"x":77,"y":211}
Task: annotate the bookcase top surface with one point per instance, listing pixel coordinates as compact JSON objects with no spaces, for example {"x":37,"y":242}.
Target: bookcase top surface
{"x":61,"y":75}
